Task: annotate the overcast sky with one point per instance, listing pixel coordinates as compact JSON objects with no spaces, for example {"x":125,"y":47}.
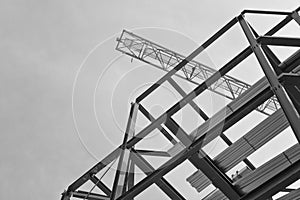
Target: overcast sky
{"x":44,"y":43}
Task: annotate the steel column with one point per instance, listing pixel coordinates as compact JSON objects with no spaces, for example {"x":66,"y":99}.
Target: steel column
{"x":123,"y":165}
{"x":272,"y":78}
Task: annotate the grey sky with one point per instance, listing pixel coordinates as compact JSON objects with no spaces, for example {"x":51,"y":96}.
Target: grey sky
{"x":42,"y":46}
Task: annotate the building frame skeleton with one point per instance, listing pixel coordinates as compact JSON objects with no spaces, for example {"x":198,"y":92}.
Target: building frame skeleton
{"x":277,"y":95}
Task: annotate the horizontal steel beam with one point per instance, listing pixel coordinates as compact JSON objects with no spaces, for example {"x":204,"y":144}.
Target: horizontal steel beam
{"x":279,"y":41}
{"x":266,"y":12}
{"x":275,"y":184}
{"x":152,"y":153}
{"x":89,"y":196}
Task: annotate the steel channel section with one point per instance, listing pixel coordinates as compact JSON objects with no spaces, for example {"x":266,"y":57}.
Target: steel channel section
{"x":275,"y":184}
{"x":195,"y":146}
{"x":100,"y":165}
{"x":273,"y":80}
{"x":123,"y":164}
{"x":162,"y":183}
{"x":292,"y":195}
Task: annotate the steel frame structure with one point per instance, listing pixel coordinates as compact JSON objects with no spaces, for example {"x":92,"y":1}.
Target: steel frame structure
{"x":281,"y":79}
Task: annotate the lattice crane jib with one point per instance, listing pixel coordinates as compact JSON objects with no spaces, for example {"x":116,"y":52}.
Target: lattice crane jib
{"x":276,"y":95}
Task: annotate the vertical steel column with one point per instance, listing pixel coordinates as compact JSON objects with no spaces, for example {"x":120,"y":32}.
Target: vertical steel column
{"x":123,"y":165}
{"x":282,"y":97}
{"x":130,"y":182}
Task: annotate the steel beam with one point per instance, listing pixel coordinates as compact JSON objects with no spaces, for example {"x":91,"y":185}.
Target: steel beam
{"x":265,"y":12}
{"x":289,"y":111}
{"x":279,"y":41}
{"x":153,"y":153}
{"x":275,"y":184}
{"x":89,"y":196}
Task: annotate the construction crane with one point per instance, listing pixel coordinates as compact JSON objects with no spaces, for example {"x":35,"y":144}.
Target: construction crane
{"x":195,"y":72}
{"x":278,"y":91}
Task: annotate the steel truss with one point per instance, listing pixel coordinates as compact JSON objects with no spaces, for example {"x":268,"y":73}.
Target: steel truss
{"x":281,"y":79}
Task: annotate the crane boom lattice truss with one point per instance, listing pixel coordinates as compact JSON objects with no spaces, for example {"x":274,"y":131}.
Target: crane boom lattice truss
{"x":277,"y":95}
{"x":195,"y":72}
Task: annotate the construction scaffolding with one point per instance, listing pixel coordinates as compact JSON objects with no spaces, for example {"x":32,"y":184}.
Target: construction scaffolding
{"x":277,"y":95}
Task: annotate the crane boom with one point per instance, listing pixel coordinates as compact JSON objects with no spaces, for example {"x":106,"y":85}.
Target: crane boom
{"x":195,"y":72}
